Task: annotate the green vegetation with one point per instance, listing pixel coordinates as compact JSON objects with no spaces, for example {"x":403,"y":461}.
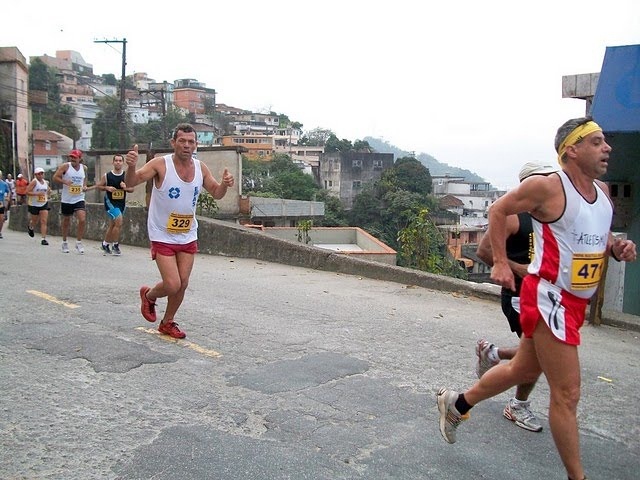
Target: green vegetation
{"x":423,"y":247}
{"x":396,"y":208}
{"x":207,"y":205}
{"x":53,"y":115}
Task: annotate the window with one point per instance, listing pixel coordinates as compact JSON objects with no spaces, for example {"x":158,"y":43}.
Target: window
{"x":377,"y":164}
{"x":47,"y":145}
{"x":47,"y":162}
{"x":356,"y":163}
{"x":357,"y":184}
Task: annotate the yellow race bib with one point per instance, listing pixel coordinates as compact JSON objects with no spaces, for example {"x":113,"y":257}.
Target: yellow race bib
{"x":179,"y":222}
{"x":586,"y":270}
{"x":75,"y":189}
{"x":117,"y":194}
{"x":42,"y":198}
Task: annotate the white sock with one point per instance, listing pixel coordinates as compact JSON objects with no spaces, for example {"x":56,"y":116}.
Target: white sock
{"x":493,"y":355}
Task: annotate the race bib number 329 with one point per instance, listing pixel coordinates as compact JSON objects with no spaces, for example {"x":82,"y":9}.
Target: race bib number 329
{"x":179,"y":223}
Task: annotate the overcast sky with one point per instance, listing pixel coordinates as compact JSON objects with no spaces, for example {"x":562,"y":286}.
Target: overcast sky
{"x":475,"y":84}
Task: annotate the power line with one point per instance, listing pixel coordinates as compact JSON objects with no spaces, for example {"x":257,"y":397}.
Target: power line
{"x":122,"y":88}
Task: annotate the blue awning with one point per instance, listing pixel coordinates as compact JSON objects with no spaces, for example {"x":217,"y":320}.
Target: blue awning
{"x":616,"y":104}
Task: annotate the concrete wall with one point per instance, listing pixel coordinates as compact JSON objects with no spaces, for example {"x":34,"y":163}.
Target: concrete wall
{"x":216,"y":158}
{"x":218,"y":237}
{"x":371,"y":248}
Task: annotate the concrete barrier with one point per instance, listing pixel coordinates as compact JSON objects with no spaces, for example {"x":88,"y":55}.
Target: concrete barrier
{"x":218,"y":237}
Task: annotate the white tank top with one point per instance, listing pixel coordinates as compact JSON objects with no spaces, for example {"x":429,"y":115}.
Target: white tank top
{"x":73,"y":193}
{"x":41,"y":189}
{"x":570,"y":251}
{"x":172,"y":208}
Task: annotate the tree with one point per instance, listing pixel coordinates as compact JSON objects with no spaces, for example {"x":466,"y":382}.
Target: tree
{"x":316,"y":137}
{"x":43,"y":78}
{"x":283,"y":121}
{"x":279,"y":178}
{"x":334,"y":214}
{"x":157,"y":133}
{"x":105,"y":126}
{"x":54,"y":115}
{"x":334,"y":145}
{"x":411,"y":175}
{"x":362,"y":146}
{"x":423,"y":247}
{"x":293,"y":185}
{"x":388,"y":205}
{"x":109,"y":79}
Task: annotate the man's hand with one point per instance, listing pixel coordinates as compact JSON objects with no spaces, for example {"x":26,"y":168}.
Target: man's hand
{"x":624,"y":250}
{"x":132,"y":157}
{"x":227,"y":178}
{"x":502,"y":274}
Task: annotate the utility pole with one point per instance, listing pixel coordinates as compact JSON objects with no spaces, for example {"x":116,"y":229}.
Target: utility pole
{"x":162,"y":101}
{"x":13,"y":146}
{"x":122,"y":124}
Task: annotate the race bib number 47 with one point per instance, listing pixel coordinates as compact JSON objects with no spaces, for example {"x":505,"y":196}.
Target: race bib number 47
{"x":586,"y":270}
{"x":179,"y":223}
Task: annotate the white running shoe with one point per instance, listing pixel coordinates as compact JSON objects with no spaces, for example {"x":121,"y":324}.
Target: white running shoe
{"x":80,"y":248}
{"x":65,"y":247}
{"x":519,"y":412}
{"x":483,"y":347}
{"x":450,"y":418}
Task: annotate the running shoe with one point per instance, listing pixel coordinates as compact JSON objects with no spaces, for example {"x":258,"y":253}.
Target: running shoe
{"x":44,"y":242}
{"x":483,"y":347}
{"x":171,"y":329}
{"x":105,"y":249}
{"x":523,"y":417}
{"x":30,"y":231}
{"x":450,"y":418}
{"x":80,"y":247}
{"x":116,"y":249}
{"x":147,"y":307}
{"x":65,"y":247}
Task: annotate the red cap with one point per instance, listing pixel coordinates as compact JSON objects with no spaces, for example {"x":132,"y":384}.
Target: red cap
{"x":75,"y":154}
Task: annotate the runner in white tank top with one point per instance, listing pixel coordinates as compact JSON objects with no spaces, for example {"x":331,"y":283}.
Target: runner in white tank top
{"x":172,"y":208}
{"x":38,"y":204}
{"x":178,"y":180}
{"x":573,"y":217}
{"x":38,"y":194}
{"x":570,"y":251}
{"x":73,"y":183}
{"x":73,"y":177}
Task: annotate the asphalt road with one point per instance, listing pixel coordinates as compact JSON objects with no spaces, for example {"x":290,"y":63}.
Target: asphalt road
{"x":286,"y":373}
